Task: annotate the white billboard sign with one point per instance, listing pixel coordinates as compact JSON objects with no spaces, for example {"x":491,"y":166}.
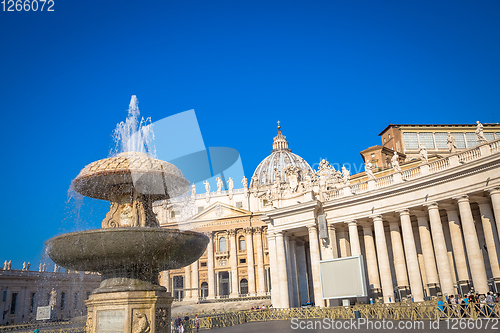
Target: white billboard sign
{"x":43,"y":312}
{"x":343,"y":278}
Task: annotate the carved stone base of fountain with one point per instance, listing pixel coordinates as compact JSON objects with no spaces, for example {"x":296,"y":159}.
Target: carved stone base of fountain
{"x":129,"y":312}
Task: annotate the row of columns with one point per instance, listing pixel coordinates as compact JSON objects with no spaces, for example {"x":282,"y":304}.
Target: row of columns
{"x":433,"y":244}
{"x":435,"y":266}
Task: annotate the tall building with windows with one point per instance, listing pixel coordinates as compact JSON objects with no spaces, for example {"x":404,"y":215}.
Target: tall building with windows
{"x":425,"y":226}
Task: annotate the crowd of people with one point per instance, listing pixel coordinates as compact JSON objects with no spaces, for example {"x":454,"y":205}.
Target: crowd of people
{"x":178,"y":325}
{"x":460,"y":306}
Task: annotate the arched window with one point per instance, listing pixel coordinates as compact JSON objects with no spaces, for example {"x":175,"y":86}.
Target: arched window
{"x":222,"y":244}
{"x":204,"y":290}
{"x":241,"y":242}
{"x":243,"y":286}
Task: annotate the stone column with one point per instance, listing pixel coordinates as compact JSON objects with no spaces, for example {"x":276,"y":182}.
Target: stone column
{"x":495,"y":203}
{"x":427,"y":249}
{"x":250,"y":262}
{"x":233,"y":256}
{"x":354,"y":238}
{"x":371,"y":257}
{"x":399,"y":255}
{"x":302,"y":273}
{"x":273,"y":266}
{"x":489,"y":235}
{"x":195,"y":293}
{"x":295,"y":283}
{"x":187,"y":282}
{"x":474,"y":254}
{"x":411,"y":256}
{"x":165,"y":280}
{"x":443,"y":264}
{"x":211,"y":266}
{"x":344,"y":246}
{"x":333,"y":240}
{"x":260,"y":262}
{"x":282,"y":270}
{"x":383,"y":259}
{"x":315,"y":258}
{"x":457,"y":243}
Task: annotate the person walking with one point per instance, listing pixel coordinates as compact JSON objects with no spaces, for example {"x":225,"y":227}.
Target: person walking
{"x":197,"y":323}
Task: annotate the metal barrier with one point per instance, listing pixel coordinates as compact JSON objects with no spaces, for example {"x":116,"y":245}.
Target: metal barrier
{"x":395,"y":311}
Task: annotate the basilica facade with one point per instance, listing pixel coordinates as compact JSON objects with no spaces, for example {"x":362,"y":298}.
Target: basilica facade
{"x":425,"y":216}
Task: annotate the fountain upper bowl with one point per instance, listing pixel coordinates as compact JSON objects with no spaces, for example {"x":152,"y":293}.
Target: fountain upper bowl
{"x":115,"y":176}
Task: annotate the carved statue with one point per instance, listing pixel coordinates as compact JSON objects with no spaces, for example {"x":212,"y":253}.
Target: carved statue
{"x":292,"y":174}
{"x":142,"y":324}
{"x":44,"y":267}
{"x":40,"y":267}
{"x":369,"y":170}
{"x":28,"y":266}
{"x":219,"y":184}
{"x":230,"y":184}
{"x":207,"y":186}
{"x":244,"y":181}
{"x":479,"y":133}
{"x":24,"y":266}
{"x":395,"y":162}
{"x":9,"y":265}
{"x":53,"y":298}
{"x":346,"y":175}
{"x":255,"y":181}
{"x":423,"y":152}
{"x":277,"y":176}
{"x":193,"y":190}
{"x":450,"y":141}
{"x":5,"y":265}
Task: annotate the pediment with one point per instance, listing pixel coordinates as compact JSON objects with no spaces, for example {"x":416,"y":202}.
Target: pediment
{"x":218,"y":211}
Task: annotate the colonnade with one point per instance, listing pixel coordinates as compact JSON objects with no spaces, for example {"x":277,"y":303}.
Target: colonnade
{"x":447,"y":249}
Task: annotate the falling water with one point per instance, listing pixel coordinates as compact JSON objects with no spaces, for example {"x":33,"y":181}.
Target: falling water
{"x":134,"y":134}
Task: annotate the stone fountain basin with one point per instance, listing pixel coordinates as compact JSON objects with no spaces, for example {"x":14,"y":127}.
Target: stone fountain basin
{"x":126,"y":249}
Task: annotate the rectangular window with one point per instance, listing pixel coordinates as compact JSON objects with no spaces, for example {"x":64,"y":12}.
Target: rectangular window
{"x":63,"y":299}
{"x":76,"y":301}
{"x":459,"y":140}
{"x":426,"y":138}
{"x":32,"y":302}
{"x":441,"y":140}
{"x":13,"y":303}
{"x":489,"y":136}
{"x":239,"y":204}
{"x":243,"y":261}
{"x":4,"y":297}
{"x":471,"y":138}
{"x":498,"y":135}
{"x":203,"y":264}
{"x":410,"y":140}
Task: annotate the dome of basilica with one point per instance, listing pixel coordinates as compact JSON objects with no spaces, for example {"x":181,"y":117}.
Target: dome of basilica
{"x":281,"y":157}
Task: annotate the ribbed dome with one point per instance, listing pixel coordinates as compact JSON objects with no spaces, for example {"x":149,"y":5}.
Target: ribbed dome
{"x":281,"y":157}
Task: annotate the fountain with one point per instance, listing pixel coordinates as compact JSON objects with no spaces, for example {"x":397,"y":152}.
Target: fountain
{"x":131,"y":249}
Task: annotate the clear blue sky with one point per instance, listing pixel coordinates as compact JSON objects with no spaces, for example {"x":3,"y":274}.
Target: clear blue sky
{"x":335,"y":73}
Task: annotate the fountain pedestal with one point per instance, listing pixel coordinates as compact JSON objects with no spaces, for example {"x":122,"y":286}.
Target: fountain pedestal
{"x":129,"y":312}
